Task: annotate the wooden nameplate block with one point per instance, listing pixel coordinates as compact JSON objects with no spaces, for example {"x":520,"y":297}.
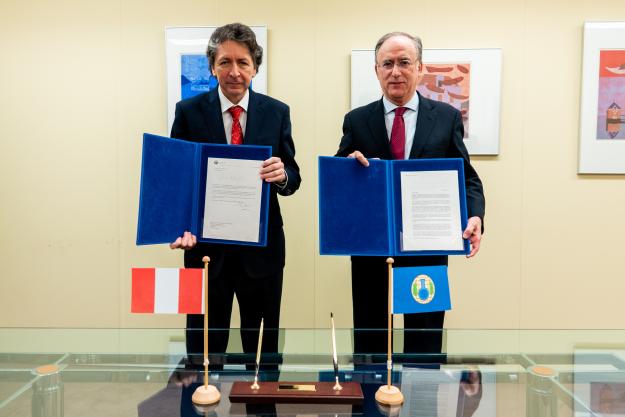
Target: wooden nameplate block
{"x":296,"y":392}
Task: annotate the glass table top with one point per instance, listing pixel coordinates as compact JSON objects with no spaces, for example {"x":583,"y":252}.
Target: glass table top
{"x":146,"y":373}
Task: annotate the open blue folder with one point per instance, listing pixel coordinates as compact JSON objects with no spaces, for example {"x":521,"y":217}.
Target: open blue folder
{"x":360,"y":209}
{"x":173,"y":187}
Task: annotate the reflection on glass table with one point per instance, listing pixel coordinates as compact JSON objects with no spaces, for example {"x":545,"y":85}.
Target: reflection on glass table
{"x":130,"y":372}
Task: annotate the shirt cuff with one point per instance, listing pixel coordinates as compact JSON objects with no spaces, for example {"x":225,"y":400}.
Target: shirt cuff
{"x":282,"y":185}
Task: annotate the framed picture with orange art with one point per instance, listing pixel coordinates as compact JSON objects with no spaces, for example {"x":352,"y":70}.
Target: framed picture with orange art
{"x":602,"y":112}
{"x":467,"y":79}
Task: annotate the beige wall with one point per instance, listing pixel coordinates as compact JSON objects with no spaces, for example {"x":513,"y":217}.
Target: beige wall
{"x":81,"y":80}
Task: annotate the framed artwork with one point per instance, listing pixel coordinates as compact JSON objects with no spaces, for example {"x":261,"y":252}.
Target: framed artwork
{"x":599,"y":380}
{"x":188,"y":73}
{"x":602,"y":113}
{"x":451,"y":391}
{"x":468,"y":79}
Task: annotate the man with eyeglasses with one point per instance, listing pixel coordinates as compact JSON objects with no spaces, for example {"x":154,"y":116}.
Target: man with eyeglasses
{"x":404,"y":125}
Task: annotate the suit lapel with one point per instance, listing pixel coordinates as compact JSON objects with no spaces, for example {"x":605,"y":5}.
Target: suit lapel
{"x":253,"y":125}
{"x":378,"y":131}
{"x":425,"y":122}
{"x":211,"y":109}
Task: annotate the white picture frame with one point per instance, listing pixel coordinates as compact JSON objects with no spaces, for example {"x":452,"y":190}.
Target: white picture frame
{"x":602,"y":144}
{"x":482,"y":136}
{"x":598,"y":380}
{"x":445,"y":389}
{"x":189,"y":42}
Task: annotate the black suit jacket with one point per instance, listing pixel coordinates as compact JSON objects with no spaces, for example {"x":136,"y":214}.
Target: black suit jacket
{"x":439,"y":134}
{"x":199,"y":119}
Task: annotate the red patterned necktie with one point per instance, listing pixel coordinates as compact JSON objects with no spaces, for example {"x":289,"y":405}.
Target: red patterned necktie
{"x":398,"y":134}
{"x":237,"y":132}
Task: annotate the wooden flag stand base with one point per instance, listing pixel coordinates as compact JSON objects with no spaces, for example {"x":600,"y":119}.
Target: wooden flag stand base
{"x":296,"y":392}
{"x":389,"y":394}
{"x":206,"y":394}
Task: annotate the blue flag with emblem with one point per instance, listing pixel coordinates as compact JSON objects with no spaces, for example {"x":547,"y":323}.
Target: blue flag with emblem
{"x":420,"y":289}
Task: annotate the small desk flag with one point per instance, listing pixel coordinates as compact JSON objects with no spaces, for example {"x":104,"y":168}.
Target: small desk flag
{"x":167,"y":290}
{"x":421,"y":289}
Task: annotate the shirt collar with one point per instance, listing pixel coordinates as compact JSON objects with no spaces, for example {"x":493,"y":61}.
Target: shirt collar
{"x":226,"y":104}
{"x":413,"y":104}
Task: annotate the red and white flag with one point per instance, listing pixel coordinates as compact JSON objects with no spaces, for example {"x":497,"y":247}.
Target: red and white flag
{"x":167,"y":290}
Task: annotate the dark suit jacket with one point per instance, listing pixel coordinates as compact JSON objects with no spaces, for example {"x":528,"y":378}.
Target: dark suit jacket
{"x":199,"y":119}
{"x":438,"y":134}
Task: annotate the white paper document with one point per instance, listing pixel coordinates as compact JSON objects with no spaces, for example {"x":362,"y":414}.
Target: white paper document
{"x":430,"y":208}
{"x":232,"y":202}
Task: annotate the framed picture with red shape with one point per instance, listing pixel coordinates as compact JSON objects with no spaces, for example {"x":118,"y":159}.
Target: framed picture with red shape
{"x":602,"y":113}
{"x":611,"y":101}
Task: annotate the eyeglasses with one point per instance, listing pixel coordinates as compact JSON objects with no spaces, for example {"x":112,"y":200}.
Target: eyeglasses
{"x":403,"y":63}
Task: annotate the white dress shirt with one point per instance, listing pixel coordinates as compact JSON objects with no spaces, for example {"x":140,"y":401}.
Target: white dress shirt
{"x":227,"y":117}
{"x":410,"y":120}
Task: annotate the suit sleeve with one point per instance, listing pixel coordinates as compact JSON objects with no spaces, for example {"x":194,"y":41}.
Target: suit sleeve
{"x":179,"y":129}
{"x":287,"y":155}
{"x":346,"y":146}
{"x":476,"y":202}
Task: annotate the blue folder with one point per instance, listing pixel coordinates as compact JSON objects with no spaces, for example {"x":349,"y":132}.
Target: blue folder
{"x":173,"y":187}
{"x":360,"y":207}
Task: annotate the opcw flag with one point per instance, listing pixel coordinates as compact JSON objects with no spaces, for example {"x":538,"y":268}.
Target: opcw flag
{"x":420,"y":289}
{"x":167,"y":290}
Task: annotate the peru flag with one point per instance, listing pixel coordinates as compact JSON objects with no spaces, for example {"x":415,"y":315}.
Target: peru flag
{"x":167,"y":291}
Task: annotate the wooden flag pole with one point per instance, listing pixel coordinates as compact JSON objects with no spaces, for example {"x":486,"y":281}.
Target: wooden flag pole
{"x":389,"y":394}
{"x":206,"y":260}
{"x":389,"y":357}
{"x":206,"y":394}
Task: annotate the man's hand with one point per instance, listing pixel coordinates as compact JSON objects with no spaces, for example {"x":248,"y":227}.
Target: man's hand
{"x":473,"y":232}
{"x":273,"y":170}
{"x":186,"y":241}
{"x":359,"y":157}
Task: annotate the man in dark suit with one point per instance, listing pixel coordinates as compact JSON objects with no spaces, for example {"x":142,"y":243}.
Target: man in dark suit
{"x":234,"y":114}
{"x":404,"y":125}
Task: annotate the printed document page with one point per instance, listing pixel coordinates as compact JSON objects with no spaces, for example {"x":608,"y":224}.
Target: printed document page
{"x":233,"y":197}
{"x":430,"y":210}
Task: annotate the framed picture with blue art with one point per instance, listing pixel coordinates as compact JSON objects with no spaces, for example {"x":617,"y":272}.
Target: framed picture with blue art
{"x":195,"y":76}
{"x":187,"y":66}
